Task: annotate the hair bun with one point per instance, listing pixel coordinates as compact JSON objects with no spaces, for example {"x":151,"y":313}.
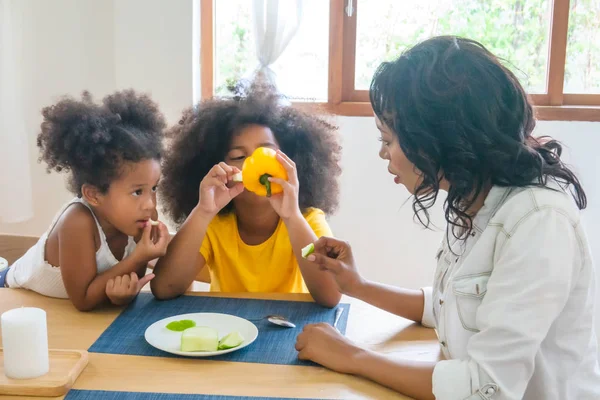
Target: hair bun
{"x":131,"y":109}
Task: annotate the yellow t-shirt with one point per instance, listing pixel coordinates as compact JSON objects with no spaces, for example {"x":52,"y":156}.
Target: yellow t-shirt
{"x":268,"y":267}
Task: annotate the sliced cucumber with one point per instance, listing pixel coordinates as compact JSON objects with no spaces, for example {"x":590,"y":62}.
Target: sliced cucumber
{"x":180,"y":326}
{"x":234,"y":339}
{"x":200,"y":338}
{"x":308,"y":250}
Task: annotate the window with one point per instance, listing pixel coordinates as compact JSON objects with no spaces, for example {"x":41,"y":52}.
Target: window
{"x":235,"y":49}
{"x":553,"y":46}
{"x":582,"y":70}
{"x":517,"y":32}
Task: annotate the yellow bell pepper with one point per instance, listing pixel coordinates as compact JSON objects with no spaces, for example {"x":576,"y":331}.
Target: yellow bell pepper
{"x":257,"y":170}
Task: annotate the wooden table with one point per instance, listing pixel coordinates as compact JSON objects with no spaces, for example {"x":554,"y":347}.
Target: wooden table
{"x":368,"y":326}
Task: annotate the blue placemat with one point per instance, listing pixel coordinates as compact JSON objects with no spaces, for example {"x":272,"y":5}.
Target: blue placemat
{"x":274,"y":345}
{"x":105,"y":395}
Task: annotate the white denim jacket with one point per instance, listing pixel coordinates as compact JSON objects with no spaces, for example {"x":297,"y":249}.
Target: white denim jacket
{"x":513,"y":305}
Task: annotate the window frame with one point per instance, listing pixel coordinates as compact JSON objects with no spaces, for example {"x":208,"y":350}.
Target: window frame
{"x":344,"y":99}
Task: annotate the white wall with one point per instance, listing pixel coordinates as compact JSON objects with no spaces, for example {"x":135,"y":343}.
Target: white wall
{"x":101,"y":46}
{"x":153,"y":51}
{"x":76,"y":45}
{"x":67,"y":47}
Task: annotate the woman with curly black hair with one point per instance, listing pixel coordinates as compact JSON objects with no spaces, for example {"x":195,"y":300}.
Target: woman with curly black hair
{"x":249,"y":243}
{"x":513,"y":296}
{"x":112,"y":152}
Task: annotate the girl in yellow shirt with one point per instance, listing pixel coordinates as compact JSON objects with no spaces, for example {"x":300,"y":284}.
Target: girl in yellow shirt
{"x":249,"y":243}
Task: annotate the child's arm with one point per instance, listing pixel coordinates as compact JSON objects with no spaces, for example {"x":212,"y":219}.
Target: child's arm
{"x":77,"y":257}
{"x":176,"y":270}
{"x":320,"y":284}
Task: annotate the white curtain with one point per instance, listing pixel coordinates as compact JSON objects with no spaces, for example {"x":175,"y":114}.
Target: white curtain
{"x":15,"y":181}
{"x":275,"y":24}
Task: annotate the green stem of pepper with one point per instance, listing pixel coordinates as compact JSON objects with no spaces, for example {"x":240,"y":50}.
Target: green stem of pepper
{"x":264,"y":180}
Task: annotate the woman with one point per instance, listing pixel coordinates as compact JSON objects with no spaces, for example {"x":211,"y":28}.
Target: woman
{"x":513,"y":295}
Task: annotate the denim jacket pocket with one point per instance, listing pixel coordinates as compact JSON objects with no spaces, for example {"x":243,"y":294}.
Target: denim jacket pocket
{"x":469,"y":291}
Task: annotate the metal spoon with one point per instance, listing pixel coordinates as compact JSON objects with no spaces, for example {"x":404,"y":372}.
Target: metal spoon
{"x":280,"y":320}
{"x":338,"y":314}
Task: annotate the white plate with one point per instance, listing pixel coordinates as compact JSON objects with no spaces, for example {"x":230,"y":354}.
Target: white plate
{"x":159,"y":336}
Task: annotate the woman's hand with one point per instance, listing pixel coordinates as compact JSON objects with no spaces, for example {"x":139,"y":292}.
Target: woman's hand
{"x":214,"y":191}
{"x":335,"y":256}
{"x":285,"y":204}
{"x":323,"y":344}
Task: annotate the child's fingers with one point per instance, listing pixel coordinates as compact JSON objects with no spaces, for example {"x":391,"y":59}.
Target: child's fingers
{"x":163,"y":237}
{"x":215,"y":182}
{"x":282,"y":156}
{"x":155,"y":233}
{"x":289,"y":165}
{"x":236,"y":189}
{"x":215,"y":177}
{"x":219,"y":173}
{"x":162,"y":230}
{"x":147,"y":234}
{"x":125,"y":280}
{"x":117,"y":281}
{"x":133,"y":282}
{"x":218,"y":170}
{"x":284,"y":184}
{"x":142,"y":282}
{"x":110,"y":286}
{"x":286,"y":162}
{"x":228,"y":169}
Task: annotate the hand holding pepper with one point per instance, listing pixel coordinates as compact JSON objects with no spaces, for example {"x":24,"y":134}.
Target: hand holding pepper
{"x":285,"y":203}
{"x":272,"y":174}
{"x":214,"y":191}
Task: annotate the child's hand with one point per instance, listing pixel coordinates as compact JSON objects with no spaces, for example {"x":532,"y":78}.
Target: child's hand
{"x":335,"y":256}
{"x":286,"y":203}
{"x":214,"y":191}
{"x":121,"y":290}
{"x":153,"y":243}
{"x":154,"y":217}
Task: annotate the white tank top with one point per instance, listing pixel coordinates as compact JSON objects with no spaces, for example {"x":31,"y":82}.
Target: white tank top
{"x":33,"y":272}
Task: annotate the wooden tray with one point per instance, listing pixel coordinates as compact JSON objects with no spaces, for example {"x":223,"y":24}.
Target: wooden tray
{"x":65,"y":367}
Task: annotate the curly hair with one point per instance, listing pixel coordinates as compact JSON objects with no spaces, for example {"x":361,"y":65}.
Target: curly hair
{"x":92,"y":141}
{"x":461,"y":115}
{"x":204,"y":133}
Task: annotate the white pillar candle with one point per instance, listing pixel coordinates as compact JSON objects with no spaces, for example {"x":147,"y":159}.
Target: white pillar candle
{"x":25,"y":343}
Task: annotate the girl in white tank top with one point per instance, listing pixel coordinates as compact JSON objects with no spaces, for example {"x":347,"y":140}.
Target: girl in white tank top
{"x":112,"y":152}
{"x":33,"y":272}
